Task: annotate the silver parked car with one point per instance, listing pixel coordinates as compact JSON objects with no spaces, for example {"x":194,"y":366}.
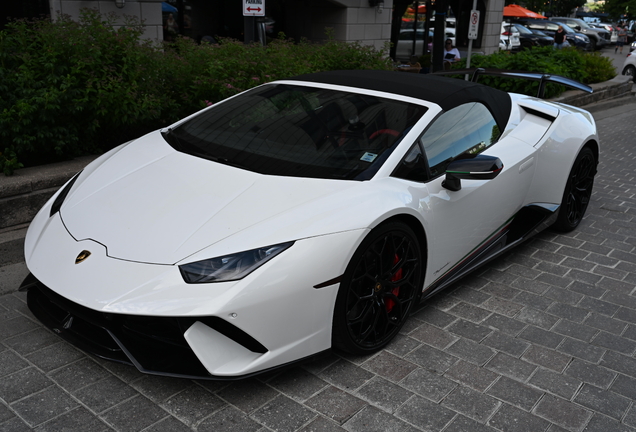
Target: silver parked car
{"x":598,"y":37}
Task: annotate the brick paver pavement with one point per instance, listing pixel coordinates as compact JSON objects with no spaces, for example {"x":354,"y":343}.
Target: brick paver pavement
{"x":542,"y":339}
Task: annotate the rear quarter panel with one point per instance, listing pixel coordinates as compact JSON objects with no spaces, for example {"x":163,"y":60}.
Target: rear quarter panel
{"x":557,"y":150}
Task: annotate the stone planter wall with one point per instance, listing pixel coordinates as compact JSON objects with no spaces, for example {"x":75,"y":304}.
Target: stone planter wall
{"x":620,"y":86}
{"x":26,"y":191}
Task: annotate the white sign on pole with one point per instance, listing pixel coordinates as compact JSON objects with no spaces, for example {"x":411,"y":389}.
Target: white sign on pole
{"x":253,"y":7}
{"x":473,"y":26}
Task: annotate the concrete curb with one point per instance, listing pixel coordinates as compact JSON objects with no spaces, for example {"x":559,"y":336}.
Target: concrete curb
{"x":619,"y":86}
{"x":26,"y":191}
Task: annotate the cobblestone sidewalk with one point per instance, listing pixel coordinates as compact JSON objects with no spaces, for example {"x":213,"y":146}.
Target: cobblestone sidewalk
{"x":543,"y":339}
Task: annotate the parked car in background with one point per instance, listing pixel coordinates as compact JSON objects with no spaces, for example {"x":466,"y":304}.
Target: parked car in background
{"x":449,"y":28}
{"x":598,"y":37}
{"x":629,"y":67}
{"x":404,"y":48}
{"x":451,"y":22}
{"x":575,"y":39}
{"x":610,"y":28}
{"x":510,"y":36}
{"x":450,"y":34}
{"x":528,"y":39}
{"x":545,"y":39}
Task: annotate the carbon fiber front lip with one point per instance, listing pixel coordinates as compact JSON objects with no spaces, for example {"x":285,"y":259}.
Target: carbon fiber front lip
{"x":153,"y":345}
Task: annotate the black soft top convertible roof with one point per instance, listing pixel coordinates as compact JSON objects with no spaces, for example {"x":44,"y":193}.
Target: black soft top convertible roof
{"x":445,"y":92}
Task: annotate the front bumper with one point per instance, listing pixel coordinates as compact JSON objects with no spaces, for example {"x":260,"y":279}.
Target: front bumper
{"x":602,"y":42}
{"x":154,"y":345}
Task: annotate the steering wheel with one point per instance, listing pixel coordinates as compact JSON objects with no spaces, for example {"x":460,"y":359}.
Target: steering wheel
{"x":392,"y":132}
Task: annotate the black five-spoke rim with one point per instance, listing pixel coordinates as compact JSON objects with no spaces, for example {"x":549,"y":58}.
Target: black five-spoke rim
{"x":581,"y":182}
{"x":382,"y":289}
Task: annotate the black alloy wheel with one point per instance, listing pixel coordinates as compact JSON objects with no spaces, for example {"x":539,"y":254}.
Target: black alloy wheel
{"x":578,"y":191}
{"x":380,"y":287}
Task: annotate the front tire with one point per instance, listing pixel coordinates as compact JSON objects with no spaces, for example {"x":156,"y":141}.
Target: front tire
{"x":578,"y":191}
{"x":379,"y":289}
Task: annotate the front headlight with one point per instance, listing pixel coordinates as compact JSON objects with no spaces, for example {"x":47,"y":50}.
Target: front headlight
{"x":230,"y":267}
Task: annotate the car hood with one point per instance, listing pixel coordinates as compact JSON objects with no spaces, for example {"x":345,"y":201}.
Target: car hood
{"x":148,"y":203}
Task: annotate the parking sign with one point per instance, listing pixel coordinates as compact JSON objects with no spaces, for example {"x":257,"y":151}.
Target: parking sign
{"x":253,"y":7}
{"x":473,"y":26}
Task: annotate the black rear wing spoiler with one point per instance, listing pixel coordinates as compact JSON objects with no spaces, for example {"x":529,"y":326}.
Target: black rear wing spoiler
{"x":533,"y":76}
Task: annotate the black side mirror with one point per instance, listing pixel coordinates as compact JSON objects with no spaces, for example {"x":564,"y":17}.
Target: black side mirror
{"x":480,"y":167}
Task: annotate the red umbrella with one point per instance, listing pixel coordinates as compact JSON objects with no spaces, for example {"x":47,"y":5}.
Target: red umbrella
{"x":514,"y":10}
{"x":421,"y":9}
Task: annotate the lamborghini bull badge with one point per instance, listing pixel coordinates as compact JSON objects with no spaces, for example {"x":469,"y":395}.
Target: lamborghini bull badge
{"x":82,"y":256}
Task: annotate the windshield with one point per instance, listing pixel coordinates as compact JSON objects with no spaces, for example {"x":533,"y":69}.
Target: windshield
{"x":299,"y":131}
{"x":539,"y":33}
{"x":567,"y":29}
{"x":583,"y":24}
{"x":522,"y":30}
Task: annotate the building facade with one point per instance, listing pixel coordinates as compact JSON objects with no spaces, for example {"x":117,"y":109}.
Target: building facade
{"x":366,"y":21}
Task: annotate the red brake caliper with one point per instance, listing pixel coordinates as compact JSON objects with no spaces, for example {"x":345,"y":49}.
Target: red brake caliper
{"x":396,"y":291}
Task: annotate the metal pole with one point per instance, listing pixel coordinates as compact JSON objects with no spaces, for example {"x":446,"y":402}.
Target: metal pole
{"x":470,"y":44}
{"x":439,"y":36}
{"x":427,"y":28}
{"x":416,"y":5}
{"x":249,"y":29}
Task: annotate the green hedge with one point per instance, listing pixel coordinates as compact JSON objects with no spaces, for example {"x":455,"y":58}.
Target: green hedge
{"x":72,"y":88}
{"x":65,"y":84}
{"x":80,"y":87}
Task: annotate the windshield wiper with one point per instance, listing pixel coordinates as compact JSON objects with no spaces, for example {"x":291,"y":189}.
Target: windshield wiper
{"x":221,"y":160}
{"x":171,"y":138}
{"x":193,"y":150}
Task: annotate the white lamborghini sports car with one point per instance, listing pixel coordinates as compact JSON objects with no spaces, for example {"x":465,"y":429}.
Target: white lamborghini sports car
{"x":306,"y":214}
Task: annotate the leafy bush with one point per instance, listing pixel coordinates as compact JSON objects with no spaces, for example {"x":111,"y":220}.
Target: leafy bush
{"x":214,"y":72}
{"x":66,"y":84}
{"x":72,"y":88}
{"x":597,"y":68}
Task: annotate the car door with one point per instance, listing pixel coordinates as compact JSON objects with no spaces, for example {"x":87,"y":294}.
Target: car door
{"x":461,"y":222}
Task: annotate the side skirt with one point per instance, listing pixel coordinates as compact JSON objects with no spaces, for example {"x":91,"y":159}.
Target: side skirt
{"x":526,"y":223}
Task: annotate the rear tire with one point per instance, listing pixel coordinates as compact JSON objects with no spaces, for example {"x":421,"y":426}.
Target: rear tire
{"x":379,"y":289}
{"x":578,"y":191}
{"x":629,"y":71}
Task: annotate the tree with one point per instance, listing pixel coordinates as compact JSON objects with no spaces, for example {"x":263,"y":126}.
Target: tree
{"x":563,"y":7}
{"x":595,"y":7}
{"x":620,"y":9}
